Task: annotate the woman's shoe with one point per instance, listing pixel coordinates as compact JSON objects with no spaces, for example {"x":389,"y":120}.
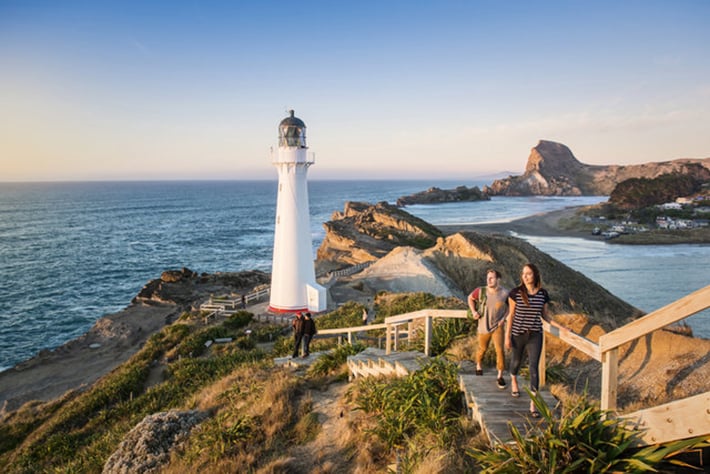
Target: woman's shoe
{"x":479,"y":371}
{"x":535,"y":413}
{"x":515,"y":394}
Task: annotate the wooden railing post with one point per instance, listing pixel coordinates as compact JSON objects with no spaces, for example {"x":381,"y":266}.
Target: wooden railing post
{"x":388,"y":339}
{"x":396,"y":337}
{"x":350,"y":338}
{"x":542,"y":366}
{"x":427,"y":335}
{"x":610,"y":372}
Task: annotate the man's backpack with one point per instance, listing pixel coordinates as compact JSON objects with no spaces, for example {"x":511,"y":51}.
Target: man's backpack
{"x":481,"y":301}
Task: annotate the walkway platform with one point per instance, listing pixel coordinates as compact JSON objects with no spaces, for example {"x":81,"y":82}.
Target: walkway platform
{"x":494,"y":408}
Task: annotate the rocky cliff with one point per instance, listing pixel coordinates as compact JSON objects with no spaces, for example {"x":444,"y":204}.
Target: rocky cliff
{"x":552,"y":170}
{"x":365,"y":232}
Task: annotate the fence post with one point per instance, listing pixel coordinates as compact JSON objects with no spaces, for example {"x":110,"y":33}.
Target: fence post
{"x":427,"y":335}
{"x":610,"y":372}
{"x":350,"y":338}
{"x":396,"y":337}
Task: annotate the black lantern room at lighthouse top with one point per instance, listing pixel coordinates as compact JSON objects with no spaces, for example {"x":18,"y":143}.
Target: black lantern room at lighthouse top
{"x":292,"y":132}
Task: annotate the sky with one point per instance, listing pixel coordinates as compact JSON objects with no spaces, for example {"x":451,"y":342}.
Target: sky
{"x":163,"y":90}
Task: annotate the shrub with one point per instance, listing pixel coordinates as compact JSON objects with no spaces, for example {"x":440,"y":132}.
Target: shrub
{"x":238,"y":320}
{"x":332,"y":361}
{"x":584,"y":439}
{"x":348,"y":315}
{"x":426,"y":401}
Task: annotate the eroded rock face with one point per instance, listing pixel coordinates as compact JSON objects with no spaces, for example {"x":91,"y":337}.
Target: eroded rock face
{"x":552,"y":170}
{"x":365,"y":232}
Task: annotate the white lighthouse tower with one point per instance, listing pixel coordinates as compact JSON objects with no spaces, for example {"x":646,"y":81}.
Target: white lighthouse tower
{"x":293,"y":280}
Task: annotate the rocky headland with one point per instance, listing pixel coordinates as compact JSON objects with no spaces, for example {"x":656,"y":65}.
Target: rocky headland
{"x":436,"y":195}
{"x":552,"y":170}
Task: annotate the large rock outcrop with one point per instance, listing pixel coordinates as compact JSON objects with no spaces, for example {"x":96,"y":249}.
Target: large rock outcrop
{"x":552,"y":170}
{"x":364,"y":232}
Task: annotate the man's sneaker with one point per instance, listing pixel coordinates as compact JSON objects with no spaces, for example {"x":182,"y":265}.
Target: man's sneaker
{"x":501,"y":383}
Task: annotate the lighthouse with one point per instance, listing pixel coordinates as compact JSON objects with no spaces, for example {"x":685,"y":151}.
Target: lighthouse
{"x":293,"y":279}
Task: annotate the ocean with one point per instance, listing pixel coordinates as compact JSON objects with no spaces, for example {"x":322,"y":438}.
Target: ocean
{"x":74,"y":252}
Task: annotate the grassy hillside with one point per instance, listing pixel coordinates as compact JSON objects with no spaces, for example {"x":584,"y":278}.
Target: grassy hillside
{"x":179,"y":406}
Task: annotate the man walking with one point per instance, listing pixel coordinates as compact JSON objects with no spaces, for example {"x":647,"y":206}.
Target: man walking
{"x":489,"y":306}
{"x":298,"y":327}
{"x":309,"y":330}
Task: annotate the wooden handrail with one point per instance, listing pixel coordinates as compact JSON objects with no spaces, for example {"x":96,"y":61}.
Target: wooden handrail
{"x":674,"y":417}
{"x":336,"y":331}
{"x":580,"y":343}
{"x":674,"y":312}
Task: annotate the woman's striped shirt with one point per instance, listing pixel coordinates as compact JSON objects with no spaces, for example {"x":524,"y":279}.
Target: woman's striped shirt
{"x":527,"y":317}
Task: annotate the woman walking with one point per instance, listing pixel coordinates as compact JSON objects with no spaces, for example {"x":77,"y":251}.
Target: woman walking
{"x":528,"y":306}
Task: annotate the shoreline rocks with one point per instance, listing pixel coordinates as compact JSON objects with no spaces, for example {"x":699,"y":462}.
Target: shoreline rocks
{"x":436,"y":195}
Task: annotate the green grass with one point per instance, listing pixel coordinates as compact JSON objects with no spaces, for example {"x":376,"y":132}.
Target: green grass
{"x":426,"y":401}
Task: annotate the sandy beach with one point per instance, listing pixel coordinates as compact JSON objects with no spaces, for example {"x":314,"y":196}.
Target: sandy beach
{"x":544,"y":224}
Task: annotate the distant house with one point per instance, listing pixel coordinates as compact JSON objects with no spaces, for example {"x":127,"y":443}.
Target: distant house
{"x":684,"y":200}
{"x":671,"y":205}
{"x":663,"y":222}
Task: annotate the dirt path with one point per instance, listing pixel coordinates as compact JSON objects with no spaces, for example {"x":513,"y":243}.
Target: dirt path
{"x":326,"y":452}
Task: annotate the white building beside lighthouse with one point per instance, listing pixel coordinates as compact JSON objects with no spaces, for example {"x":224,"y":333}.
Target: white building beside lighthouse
{"x":293,"y":279}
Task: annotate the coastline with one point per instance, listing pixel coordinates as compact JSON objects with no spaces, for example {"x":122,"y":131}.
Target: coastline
{"x":549,"y":224}
{"x":116,"y":337}
{"x":546,"y":224}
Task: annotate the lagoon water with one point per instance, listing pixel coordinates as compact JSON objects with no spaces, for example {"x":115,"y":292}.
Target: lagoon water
{"x":73,"y":252}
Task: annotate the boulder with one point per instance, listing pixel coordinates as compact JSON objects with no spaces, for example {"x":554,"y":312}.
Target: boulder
{"x":148,"y":445}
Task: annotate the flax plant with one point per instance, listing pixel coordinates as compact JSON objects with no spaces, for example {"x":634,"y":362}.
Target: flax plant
{"x":584,"y":439}
{"x":425,"y":402}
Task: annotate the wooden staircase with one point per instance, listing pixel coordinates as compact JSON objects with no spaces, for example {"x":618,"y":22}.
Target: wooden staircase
{"x":375,"y":362}
{"x":494,"y":408}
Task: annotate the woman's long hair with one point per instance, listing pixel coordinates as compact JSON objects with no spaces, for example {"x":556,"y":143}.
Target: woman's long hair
{"x":537,"y":282}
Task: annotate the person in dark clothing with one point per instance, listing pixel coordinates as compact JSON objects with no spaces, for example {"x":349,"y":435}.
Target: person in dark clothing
{"x":528,"y":307}
{"x":298,"y":326}
{"x":309,"y":330}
